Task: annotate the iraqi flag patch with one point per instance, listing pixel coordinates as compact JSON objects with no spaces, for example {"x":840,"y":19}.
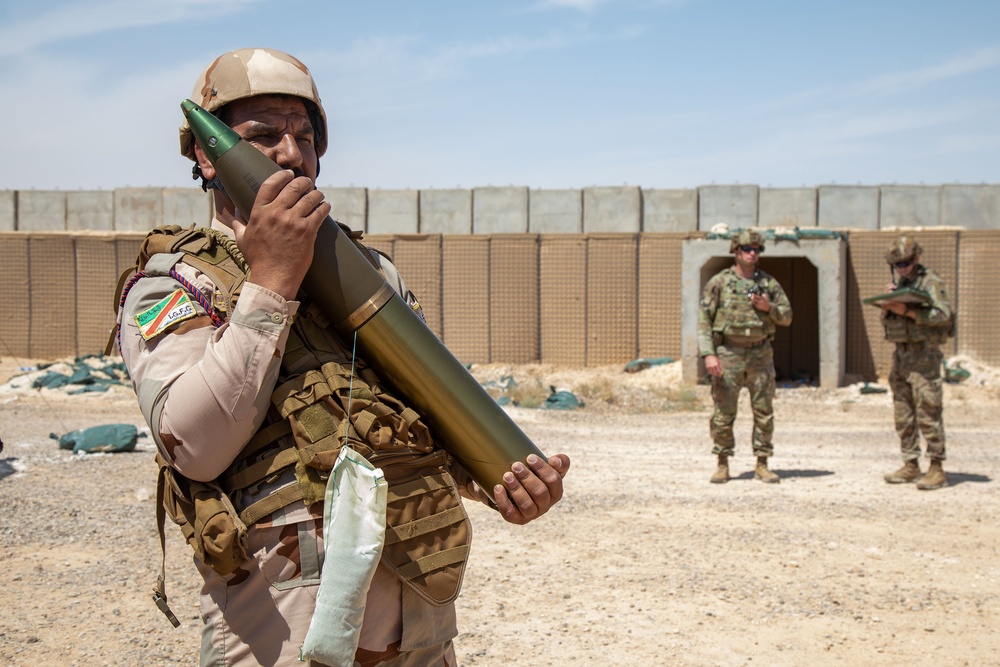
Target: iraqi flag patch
{"x":170,"y":310}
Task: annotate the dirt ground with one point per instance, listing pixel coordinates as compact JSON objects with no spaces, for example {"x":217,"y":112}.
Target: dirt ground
{"x":643,"y":563}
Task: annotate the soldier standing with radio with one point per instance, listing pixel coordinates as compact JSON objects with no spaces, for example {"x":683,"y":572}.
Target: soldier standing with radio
{"x":739,"y":310}
{"x":918,"y":330}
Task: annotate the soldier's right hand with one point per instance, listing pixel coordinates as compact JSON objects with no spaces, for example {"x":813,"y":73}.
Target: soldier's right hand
{"x":712,"y":366}
{"x":278,"y":240}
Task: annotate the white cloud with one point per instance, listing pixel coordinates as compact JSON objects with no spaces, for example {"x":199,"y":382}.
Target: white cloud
{"x":591,"y":6}
{"x":892,"y":83}
{"x":579,"y":5}
{"x":94,"y":18}
{"x":79,"y":135}
{"x":915,"y":79}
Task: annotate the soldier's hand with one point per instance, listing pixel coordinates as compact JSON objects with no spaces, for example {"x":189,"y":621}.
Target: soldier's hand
{"x":712,"y":366}
{"x":897,"y":307}
{"x":529,"y":491}
{"x":761,"y":302}
{"x":278,"y":240}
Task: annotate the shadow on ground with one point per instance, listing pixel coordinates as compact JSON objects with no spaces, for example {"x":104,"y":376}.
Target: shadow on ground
{"x":785,"y":473}
{"x":6,"y":469}
{"x":956,"y":478}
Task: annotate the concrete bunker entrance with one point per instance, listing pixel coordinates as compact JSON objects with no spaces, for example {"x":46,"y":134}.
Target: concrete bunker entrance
{"x":811,"y":271}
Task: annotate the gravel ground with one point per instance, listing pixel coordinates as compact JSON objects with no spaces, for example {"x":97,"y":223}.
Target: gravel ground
{"x":643,"y":563}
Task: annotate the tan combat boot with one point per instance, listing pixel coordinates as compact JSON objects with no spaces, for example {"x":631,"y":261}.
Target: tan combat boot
{"x":934,"y":478}
{"x":910,"y":472}
{"x":763,"y":474}
{"x":721,"y":475}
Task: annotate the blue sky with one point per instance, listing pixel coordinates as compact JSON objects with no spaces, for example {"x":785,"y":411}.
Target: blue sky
{"x":542,"y":93}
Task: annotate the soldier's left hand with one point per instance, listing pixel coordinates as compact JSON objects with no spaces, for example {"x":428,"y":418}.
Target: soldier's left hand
{"x":761,"y":302}
{"x":897,"y":307}
{"x":530,"y":490}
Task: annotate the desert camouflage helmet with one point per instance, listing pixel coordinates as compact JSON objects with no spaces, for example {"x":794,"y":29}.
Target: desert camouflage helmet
{"x":747,"y":237}
{"x":903,"y":248}
{"x":250,"y":72}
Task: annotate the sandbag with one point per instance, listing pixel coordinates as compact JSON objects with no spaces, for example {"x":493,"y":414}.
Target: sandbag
{"x":105,"y":438}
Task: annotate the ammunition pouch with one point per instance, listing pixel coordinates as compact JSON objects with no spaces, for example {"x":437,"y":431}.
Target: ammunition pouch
{"x":900,"y":329}
{"x":743,"y":327}
{"x":897,"y":329}
{"x":428,"y":532}
{"x":207,"y":519}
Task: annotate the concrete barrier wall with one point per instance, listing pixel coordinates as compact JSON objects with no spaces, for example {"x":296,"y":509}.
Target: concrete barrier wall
{"x":787,"y":207}
{"x":555,"y":212}
{"x":518,"y":210}
{"x":612,"y":210}
{"x":349,"y":205}
{"x":844,"y":207}
{"x":669,"y":210}
{"x":970,"y":206}
{"x":498,"y":211}
{"x":392,"y":212}
{"x":41,"y":211}
{"x":445,"y":211}
{"x":730,"y":205}
{"x":92,"y":210}
{"x":8,"y":211}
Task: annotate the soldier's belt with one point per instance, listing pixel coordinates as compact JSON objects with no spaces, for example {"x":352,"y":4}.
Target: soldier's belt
{"x":743,"y":346}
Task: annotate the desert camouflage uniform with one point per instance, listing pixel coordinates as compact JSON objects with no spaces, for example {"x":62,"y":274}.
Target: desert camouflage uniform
{"x":204,"y":391}
{"x":740,"y":336}
{"x":915,"y":378}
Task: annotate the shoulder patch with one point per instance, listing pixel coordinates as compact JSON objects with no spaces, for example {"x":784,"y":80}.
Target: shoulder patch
{"x":173,"y":308}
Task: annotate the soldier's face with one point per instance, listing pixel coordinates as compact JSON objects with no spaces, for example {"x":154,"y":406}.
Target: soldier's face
{"x":906,"y":268}
{"x":748,"y":255}
{"x":279,"y":127}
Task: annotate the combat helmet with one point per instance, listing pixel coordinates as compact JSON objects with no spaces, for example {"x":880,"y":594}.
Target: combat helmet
{"x":251,"y":72}
{"x":747,"y":237}
{"x":902,"y":249}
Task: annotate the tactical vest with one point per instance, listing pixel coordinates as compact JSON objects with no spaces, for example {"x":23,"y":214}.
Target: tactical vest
{"x":902,"y":329}
{"x":324,"y":400}
{"x":736,"y":319}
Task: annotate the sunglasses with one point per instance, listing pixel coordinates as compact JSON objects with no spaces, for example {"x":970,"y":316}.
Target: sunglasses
{"x":750,"y":248}
{"x":905,"y":263}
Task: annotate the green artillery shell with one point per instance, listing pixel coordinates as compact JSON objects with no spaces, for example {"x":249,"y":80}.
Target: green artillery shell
{"x":353,"y":294}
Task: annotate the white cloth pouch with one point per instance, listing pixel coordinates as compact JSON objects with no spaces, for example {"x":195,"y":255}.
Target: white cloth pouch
{"x":353,"y":534}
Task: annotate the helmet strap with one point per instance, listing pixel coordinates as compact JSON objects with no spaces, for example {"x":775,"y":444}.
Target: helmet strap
{"x":206,"y":185}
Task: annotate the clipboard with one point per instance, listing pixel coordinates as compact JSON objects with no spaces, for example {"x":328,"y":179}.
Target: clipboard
{"x":902,"y":295}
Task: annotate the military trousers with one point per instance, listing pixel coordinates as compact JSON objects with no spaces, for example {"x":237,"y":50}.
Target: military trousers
{"x":259,"y":615}
{"x":917,"y":399}
{"x":752,"y":368}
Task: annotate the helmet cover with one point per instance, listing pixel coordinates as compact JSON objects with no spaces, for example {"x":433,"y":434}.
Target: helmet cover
{"x":746,"y":237}
{"x":247,"y":73}
{"x":903,"y":248}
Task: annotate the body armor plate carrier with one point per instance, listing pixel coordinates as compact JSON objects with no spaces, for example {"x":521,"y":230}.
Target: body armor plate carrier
{"x":324,"y":401}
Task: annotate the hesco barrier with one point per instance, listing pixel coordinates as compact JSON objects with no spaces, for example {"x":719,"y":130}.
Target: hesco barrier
{"x":568,"y":299}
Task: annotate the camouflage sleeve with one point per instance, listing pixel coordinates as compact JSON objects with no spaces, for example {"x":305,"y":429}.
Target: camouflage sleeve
{"x":938,"y":312}
{"x":203,"y":390}
{"x":781,"y":307}
{"x":707,"y":308}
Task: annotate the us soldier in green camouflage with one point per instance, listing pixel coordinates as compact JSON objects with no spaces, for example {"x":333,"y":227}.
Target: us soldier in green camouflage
{"x":918,"y":330}
{"x":739,"y":310}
